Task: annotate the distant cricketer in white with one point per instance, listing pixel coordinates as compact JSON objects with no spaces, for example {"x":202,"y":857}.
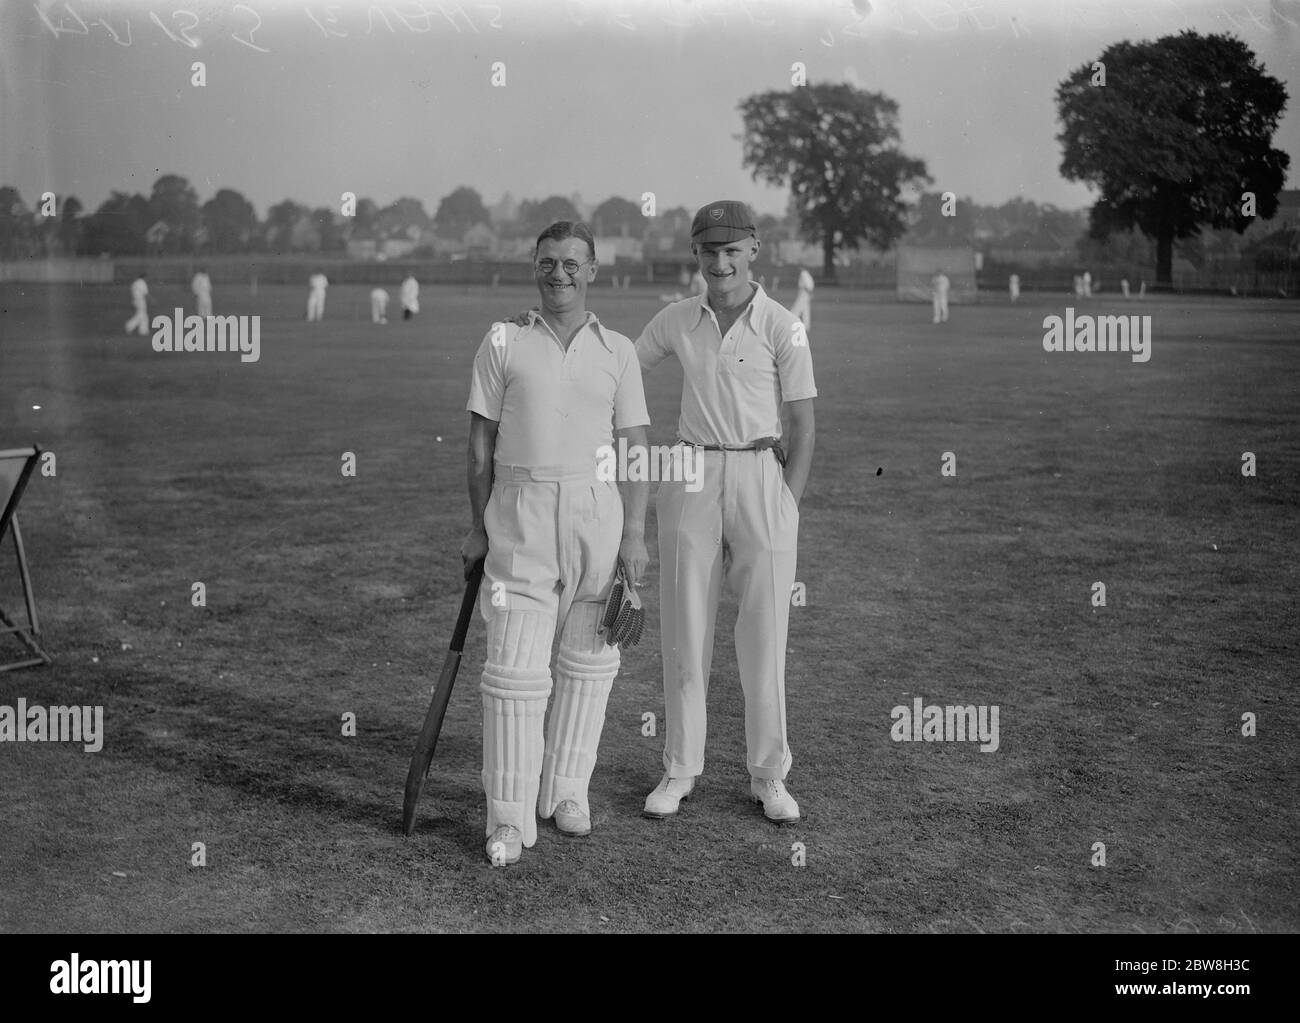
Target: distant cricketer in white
{"x":802,"y":307}
{"x":410,"y":297}
{"x":139,"y":322}
{"x":201,"y":285}
{"x":316,"y":297}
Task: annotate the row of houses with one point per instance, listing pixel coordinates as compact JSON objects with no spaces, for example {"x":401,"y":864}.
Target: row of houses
{"x":482,"y":242}
{"x":1026,"y":248}
{"x":1041,"y":248}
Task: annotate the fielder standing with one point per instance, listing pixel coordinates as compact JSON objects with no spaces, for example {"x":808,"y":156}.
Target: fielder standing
{"x":545,"y":397}
{"x":318,"y":282}
{"x":139,"y":322}
{"x":743,"y":356}
{"x":802,"y":307}
{"x":201,"y":285}
{"x":378,"y":305}
{"x":410,"y":297}
{"x":939,"y":285}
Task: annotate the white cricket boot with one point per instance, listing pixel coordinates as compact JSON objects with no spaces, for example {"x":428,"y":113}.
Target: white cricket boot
{"x":778,"y":805}
{"x":571,"y":820}
{"x":666,"y":799}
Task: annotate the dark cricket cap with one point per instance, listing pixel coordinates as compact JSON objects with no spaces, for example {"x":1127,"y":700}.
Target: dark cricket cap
{"x":723,"y":221}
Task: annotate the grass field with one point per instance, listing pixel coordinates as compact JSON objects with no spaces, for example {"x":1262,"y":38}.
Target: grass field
{"x":328,"y":595}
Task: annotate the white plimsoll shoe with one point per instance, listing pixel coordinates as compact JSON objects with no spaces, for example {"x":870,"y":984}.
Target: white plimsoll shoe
{"x":570,"y":819}
{"x":778,"y":805}
{"x":505,"y":845}
{"x":667,"y":797}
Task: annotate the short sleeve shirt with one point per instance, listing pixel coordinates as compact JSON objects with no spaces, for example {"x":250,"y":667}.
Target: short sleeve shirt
{"x":732,"y":387}
{"x":556,"y":408}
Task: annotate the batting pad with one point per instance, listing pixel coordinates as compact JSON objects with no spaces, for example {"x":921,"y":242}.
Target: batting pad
{"x":584,"y":674}
{"x":516,"y":682}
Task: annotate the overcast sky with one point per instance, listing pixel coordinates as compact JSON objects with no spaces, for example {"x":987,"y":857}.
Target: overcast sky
{"x":307,"y":101}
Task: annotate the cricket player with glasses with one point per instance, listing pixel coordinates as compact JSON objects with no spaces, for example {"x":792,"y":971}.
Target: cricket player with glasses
{"x":743,"y":357}
{"x":545,"y":397}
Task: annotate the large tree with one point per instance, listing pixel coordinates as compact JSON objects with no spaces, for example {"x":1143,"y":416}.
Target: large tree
{"x":282,"y":222}
{"x":230,"y":221}
{"x":836,"y":147}
{"x":17,"y":230}
{"x":366,"y":213}
{"x":118,"y":227}
{"x":47,"y":233}
{"x":402,"y":215}
{"x":1179,"y":130}
{"x":940,"y":221}
{"x":458,"y":212}
{"x":176,"y":204}
{"x":676,"y":223}
{"x":329,"y":228}
{"x":535,"y":217}
{"x":618,"y":216}
{"x":71,"y":227}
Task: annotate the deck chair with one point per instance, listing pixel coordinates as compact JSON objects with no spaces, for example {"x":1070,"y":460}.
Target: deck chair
{"x":16,"y":466}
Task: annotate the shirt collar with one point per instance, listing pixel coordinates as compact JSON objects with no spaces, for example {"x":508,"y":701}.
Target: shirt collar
{"x":704,"y":308}
{"x":535,"y":318}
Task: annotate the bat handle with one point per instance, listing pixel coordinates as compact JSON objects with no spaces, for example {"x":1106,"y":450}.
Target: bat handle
{"x":473,"y":581}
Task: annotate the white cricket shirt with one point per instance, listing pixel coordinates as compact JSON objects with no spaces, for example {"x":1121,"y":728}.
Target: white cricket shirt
{"x":732,"y":387}
{"x":556,"y":409}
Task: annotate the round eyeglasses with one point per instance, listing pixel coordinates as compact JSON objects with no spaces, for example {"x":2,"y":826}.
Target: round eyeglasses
{"x":569,"y":266}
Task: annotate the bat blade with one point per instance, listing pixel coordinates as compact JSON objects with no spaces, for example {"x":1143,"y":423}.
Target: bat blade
{"x":422,"y":758}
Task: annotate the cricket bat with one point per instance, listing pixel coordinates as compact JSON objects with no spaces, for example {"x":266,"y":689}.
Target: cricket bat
{"x":428,"y":741}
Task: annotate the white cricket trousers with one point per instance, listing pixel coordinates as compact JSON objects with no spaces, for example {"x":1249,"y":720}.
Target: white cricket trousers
{"x":743,"y":523}
{"x":139,"y":323}
{"x":553,"y":540}
{"x":316,"y":304}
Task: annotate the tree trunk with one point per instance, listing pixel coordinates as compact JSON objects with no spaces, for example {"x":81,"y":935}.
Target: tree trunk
{"x":828,"y":257}
{"x":1165,"y":260}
